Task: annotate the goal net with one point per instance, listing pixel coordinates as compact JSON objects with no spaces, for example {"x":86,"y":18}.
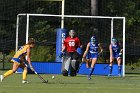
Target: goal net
{"x":43,"y":27}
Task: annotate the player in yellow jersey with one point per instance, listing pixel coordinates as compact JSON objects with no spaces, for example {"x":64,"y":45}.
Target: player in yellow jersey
{"x":19,"y":61}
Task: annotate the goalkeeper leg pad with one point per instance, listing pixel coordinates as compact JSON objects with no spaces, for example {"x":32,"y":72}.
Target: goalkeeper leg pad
{"x":73,"y":73}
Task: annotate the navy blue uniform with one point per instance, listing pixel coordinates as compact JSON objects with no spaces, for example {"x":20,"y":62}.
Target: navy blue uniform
{"x":115,"y":51}
{"x":93,"y":50}
{"x":88,"y":55}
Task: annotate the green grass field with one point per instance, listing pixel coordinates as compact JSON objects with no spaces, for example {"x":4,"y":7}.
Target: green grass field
{"x":79,"y":84}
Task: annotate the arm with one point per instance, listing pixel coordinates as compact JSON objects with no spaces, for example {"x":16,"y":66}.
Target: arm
{"x":63,"y":49}
{"x":79,"y":47}
{"x":64,"y":46}
{"x":87,"y":48}
{"x":28,"y":59}
{"x":78,"y":43}
{"x":101,"y":49}
{"x":121,"y":50}
{"x":110,"y":50}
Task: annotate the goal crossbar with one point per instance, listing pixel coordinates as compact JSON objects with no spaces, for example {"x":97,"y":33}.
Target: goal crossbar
{"x":72,"y":16}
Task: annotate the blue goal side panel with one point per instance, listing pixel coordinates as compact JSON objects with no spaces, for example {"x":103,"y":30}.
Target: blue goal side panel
{"x":100,"y":69}
{"x":45,"y":68}
{"x":61,"y":35}
{"x":55,"y":68}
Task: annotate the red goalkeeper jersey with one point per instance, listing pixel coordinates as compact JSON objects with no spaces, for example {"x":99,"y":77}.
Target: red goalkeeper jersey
{"x":72,"y":44}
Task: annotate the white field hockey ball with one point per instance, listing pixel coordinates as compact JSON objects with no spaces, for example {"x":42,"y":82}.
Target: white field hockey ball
{"x":53,"y":77}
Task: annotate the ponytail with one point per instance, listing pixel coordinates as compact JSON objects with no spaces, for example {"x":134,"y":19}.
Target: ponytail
{"x":31,"y":41}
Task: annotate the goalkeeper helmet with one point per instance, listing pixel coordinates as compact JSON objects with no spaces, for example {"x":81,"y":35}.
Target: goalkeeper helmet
{"x":72,"y":33}
{"x":93,"y":40}
{"x":114,"y":41}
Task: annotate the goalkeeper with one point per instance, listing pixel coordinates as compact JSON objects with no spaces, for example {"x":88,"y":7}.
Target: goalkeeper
{"x":70,"y":61}
{"x":115,"y":53}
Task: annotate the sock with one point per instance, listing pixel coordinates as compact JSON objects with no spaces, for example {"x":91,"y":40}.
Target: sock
{"x":90,"y":71}
{"x":119,"y":69}
{"x":9,"y":72}
{"x":110,"y":69}
{"x":24,"y":75}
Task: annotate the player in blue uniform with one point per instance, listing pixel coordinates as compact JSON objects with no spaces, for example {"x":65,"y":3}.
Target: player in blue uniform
{"x":92,"y":52}
{"x":115,"y":53}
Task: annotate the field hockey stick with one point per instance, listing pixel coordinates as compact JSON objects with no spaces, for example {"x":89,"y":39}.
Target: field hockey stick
{"x":106,"y":66}
{"x":41,"y":78}
{"x":109,"y":63}
{"x":102,"y":55}
{"x":61,"y":55}
{"x":79,"y":67}
{"x":83,"y":60}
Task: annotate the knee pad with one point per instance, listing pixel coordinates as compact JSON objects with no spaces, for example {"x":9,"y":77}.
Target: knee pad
{"x":65,"y":72}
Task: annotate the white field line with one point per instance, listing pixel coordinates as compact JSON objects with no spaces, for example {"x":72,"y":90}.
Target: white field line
{"x":107,"y":88}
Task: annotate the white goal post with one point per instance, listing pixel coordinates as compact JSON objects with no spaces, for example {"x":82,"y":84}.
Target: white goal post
{"x":73,"y":16}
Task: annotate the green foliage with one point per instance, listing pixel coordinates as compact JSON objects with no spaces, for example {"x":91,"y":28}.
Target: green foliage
{"x":39,"y":53}
{"x":43,"y":30}
{"x":127,"y":8}
{"x":5,"y":57}
{"x":43,"y":53}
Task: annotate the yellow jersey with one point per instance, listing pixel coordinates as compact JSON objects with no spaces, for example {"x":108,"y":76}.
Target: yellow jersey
{"x":22,"y":51}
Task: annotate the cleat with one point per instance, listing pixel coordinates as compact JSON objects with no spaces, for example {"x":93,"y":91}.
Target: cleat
{"x":119,"y":75}
{"x":1,"y":78}
{"x":24,"y":81}
{"x":45,"y":81}
{"x":89,"y":77}
{"x":109,"y":75}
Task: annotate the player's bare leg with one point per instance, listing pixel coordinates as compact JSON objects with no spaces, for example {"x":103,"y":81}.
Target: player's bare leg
{"x":88,"y":63}
{"x":9,"y":72}
{"x":24,"y":74}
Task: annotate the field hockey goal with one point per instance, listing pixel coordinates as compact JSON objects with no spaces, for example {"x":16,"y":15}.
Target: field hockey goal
{"x":42,"y":27}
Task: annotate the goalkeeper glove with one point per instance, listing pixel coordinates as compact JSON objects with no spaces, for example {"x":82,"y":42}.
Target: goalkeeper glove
{"x":61,"y":54}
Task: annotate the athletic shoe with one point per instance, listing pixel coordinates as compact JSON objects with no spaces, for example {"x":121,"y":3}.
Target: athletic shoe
{"x":89,"y":77}
{"x":46,"y":81}
{"x":109,"y":75}
{"x":1,"y":78}
{"x":24,"y":81}
{"x":119,"y":75}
